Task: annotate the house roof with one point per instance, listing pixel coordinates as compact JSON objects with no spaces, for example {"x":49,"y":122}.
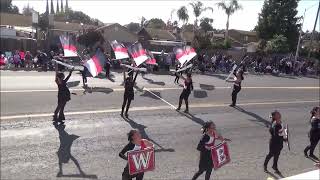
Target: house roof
{"x":15,"y":20}
{"x":160,"y":34}
{"x":249,"y":33}
{"x":70,"y":26}
{"x":115,"y":31}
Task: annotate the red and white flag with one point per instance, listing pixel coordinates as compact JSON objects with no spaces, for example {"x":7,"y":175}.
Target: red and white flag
{"x":141,"y":161}
{"x":95,"y":63}
{"x":184,"y":54}
{"x":120,"y":51}
{"x":138,"y":54}
{"x":151,"y":60}
{"x":220,"y":155}
{"x":68,"y":46}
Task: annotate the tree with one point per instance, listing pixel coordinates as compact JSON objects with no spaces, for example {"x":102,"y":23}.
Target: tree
{"x":188,"y":27}
{"x":205,"y":24}
{"x":278,"y":44}
{"x":198,"y":9}
{"x":182,"y":14}
{"x":156,"y":23}
{"x":7,"y":7}
{"x":143,"y":22}
{"x":52,"y":8}
{"x":229,"y":9}
{"x":133,"y":27}
{"x":27,"y":11}
{"x":279,"y":17}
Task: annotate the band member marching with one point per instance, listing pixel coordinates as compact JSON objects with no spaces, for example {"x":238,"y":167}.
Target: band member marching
{"x":177,"y":74}
{"x":314,"y":133}
{"x":128,"y":93}
{"x":206,"y":143}
{"x":276,"y":142}
{"x":187,"y":88}
{"x":236,"y":86}
{"x":135,"y":143}
{"x":63,"y":96}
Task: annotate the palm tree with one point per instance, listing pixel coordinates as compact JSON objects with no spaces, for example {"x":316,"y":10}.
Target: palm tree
{"x":182,"y":14}
{"x":229,"y":9}
{"x":198,"y":9}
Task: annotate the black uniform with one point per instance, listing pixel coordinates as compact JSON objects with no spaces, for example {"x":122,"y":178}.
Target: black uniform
{"x":205,"y":162}
{"x":84,"y":76}
{"x":275,"y":145}
{"x":122,"y":154}
{"x":188,"y":87}
{"x":314,"y":136}
{"x":176,"y":80}
{"x":63,"y":98}
{"x":128,"y":94}
{"x":235,"y":91}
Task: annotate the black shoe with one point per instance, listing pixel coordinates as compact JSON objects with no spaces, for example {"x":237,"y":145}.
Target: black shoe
{"x":126,"y":115}
{"x":313,"y":156}
{"x":186,"y":111}
{"x":178,"y":109}
{"x":121,"y":114}
{"x":265,"y":169}
{"x":232,"y":105}
{"x":305,"y":153}
{"x":276,"y":170}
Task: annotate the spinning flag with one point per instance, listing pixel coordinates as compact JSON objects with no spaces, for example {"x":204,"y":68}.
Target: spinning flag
{"x":68,"y":45}
{"x":184,"y":54}
{"x":120,"y":51}
{"x":151,"y":60}
{"x":138,"y":54}
{"x":95,"y":63}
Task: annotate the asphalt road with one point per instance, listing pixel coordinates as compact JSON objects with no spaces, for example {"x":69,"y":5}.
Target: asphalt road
{"x":29,"y":141}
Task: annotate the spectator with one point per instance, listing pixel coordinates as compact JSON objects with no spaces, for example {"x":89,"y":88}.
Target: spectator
{"x":3,"y":61}
{"x":22,"y":58}
{"x":28,"y":60}
{"x":16,"y":59}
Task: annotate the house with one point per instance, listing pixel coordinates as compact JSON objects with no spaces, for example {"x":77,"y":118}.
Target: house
{"x":243,"y":37}
{"x":115,"y":31}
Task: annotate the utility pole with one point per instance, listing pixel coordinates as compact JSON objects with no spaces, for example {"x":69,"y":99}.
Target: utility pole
{"x":314,"y":29}
{"x":298,"y":46}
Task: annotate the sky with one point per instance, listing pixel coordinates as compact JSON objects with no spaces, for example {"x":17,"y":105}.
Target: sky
{"x":126,"y":11}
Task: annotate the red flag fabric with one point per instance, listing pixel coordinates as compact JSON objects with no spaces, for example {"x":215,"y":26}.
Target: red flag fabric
{"x":184,"y":54}
{"x":220,"y":155}
{"x":141,"y":161}
{"x":68,"y":46}
{"x":138,"y":54}
{"x":95,"y":63}
{"x":120,"y":51}
{"x":151,"y":60}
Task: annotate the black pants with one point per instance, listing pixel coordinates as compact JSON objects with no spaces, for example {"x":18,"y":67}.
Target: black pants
{"x":275,"y":153}
{"x":59,"y":110}
{"x":127,"y":176}
{"x":235,"y":91}
{"x":126,"y":102}
{"x":176,"y":80}
{"x":84,"y":80}
{"x":184,"y":96}
{"x":314,"y":139}
{"x":208,"y":173}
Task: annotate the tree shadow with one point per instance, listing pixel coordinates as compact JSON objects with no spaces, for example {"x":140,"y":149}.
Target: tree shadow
{"x":73,"y":83}
{"x":97,"y":89}
{"x":144,"y":135}
{"x":160,"y":83}
{"x":258,"y":119}
{"x":150,"y":95}
{"x":64,"y":153}
{"x":207,"y":87}
{"x":193,"y":118}
{"x":200,"y":94}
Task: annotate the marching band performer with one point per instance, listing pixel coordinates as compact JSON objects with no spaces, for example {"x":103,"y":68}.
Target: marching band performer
{"x":135,"y":143}
{"x":128,"y":93}
{"x":63,"y":96}
{"x":314,"y":132}
{"x":177,"y":74}
{"x":236,"y":86}
{"x":276,"y":142}
{"x":206,"y":143}
{"x":187,"y":88}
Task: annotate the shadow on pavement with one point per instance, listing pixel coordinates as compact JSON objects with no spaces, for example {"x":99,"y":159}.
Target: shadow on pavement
{"x":144,"y":135}
{"x":274,"y":176}
{"x":258,"y":119}
{"x":193,"y":118}
{"x":148,"y":94}
{"x":200,"y":94}
{"x":160,"y":83}
{"x":97,"y":89}
{"x":64,"y":153}
{"x":219,"y":76}
{"x":207,"y":87}
{"x":73,"y":83}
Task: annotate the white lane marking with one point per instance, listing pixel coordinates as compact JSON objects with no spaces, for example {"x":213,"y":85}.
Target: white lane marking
{"x":160,"y":98}
{"x":153,"y":108}
{"x":155,"y":89}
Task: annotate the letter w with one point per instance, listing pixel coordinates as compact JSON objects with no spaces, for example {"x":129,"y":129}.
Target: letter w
{"x":141,"y":159}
